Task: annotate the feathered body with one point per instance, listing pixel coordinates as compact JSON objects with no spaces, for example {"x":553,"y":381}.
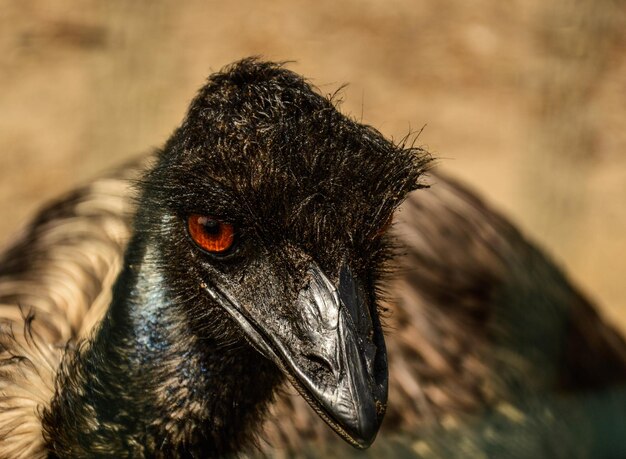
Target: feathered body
{"x":480,"y":324}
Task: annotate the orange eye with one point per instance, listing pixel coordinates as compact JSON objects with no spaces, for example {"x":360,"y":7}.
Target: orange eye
{"x":211,"y":234}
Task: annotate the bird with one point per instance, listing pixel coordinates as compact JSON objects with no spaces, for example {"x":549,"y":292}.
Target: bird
{"x":228,"y":293}
{"x":253,"y":257}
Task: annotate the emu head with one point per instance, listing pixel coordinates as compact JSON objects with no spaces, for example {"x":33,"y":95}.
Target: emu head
{"x":271,"y":207}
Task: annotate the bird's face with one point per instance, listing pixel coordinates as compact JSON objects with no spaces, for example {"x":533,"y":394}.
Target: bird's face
{"x":317,"y":323}
{"x":273,"y":206}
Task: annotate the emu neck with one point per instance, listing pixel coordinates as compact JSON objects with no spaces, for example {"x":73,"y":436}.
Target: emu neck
{"x":147,"y":385}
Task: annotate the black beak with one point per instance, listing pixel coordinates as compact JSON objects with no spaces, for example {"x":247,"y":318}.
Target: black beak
{"x":333,"y":352}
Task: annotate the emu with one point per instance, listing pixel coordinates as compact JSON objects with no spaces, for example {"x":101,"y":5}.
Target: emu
{"x":163,"y":322}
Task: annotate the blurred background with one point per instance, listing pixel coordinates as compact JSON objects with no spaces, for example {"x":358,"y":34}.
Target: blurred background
{"x":525,"y":100}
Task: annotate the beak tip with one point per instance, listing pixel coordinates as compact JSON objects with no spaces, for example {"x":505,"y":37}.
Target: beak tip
{"x":366,"y":436}
{"x":364,"y":426}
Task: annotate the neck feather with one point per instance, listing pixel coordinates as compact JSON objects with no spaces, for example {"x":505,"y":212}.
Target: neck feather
{"x":147,"y":385}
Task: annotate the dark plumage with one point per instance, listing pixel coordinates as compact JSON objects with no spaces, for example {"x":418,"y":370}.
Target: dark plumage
{"x":172,"y":369}
{"x":484,"y":334}
{"x":492,"y":351}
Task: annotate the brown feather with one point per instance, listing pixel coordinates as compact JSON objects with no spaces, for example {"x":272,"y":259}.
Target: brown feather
{"x":55,"y":284}
{"x":455,"y":348}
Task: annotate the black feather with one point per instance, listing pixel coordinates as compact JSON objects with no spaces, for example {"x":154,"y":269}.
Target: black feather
{"x":168,"y":373}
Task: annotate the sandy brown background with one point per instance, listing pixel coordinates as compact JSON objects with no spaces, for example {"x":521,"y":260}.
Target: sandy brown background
{"x":525,"y":99}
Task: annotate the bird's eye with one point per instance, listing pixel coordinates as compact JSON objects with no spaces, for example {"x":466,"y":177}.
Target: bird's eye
{"x":211,"y":234}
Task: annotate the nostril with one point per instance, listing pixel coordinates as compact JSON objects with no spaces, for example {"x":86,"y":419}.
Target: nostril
{"x":319,"y":366}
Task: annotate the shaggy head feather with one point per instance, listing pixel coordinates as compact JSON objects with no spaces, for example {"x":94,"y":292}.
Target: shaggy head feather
{"x":264,"y":149}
